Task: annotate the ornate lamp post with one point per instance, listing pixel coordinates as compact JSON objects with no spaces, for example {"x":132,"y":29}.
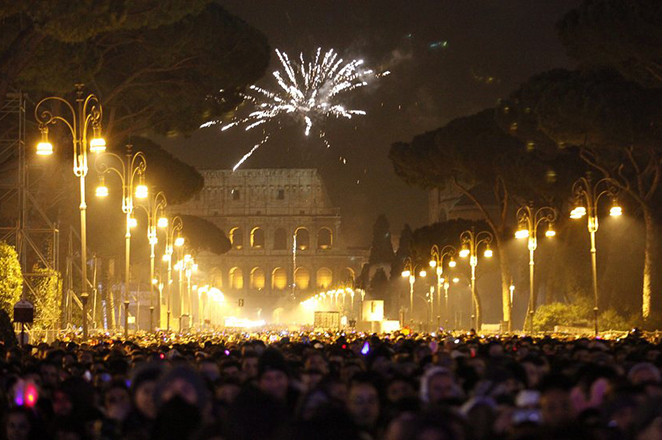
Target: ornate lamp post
{"x":86,"y":114}
{"x":437,"y":262}
{"x":155,"y":210}
{"x":409,"y":271}
{"x":173,"y":239}
{"x":528,"y":220}
{"x":587,"y":195}
{"x":185,"y":266}
{"x":134,"y":167}
{"x":447,"y":285}
{"x":471,"y":242}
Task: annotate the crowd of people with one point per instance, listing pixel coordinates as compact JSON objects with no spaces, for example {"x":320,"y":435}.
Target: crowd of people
{"x":353,"y":386}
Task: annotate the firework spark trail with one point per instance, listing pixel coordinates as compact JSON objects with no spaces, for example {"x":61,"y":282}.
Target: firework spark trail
{"x":250,"y":153}
{"x":308,"y":91}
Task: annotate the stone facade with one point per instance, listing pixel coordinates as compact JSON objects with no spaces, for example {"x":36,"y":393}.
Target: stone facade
{"x":451,"y":204}
{"x":263,"y":212}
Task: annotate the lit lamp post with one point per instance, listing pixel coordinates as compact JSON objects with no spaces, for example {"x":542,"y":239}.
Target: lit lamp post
{"x":156,"y":218}
{"x":86,"y":115}
{"x":528,"y":220}
{"x":173,"y":239}
{"x":471,"y":242}
{"x":409,"y":271}
{"x":446,"y":282}
{"x":134,"y":167}
{"x":587,"y":195}
{"x":185,"y":266}
{"x":191,"y":267}
{"x":437,"y":263}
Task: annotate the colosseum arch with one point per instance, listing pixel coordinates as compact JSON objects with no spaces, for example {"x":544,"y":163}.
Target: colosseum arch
{"x":257,"y":238}
{"x":236,"y":278}
{"x":324,"y":238}
{"x":258,"y":280}
{"x":236,"y":237}
{"x":347,"y":275}
{"x":279,"y":279}
{"x":302,"y":238}
{"x":302,"y":278}
{"x":324,"y":277}
{"x":216,"y":277}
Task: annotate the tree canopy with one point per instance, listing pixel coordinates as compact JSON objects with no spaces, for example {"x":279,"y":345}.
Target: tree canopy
{"x":381,"y":250}
{"x":153,"y":78}
{"x":178,"y":180}
{"x":11,"y":278}
{"x":624,"y":34}
{"x":30,"y":27}
{"x":203,"y":235}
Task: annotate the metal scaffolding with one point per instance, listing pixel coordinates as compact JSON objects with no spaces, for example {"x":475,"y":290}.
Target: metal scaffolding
{"x":23,"y":222}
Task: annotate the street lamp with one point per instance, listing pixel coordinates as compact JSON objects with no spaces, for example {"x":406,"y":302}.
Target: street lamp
{"x":155,"y":210}
{"x":471,"y":242}
{"x":88,"y":114}
{"x":173,"y":239}
{"x":409,"y":271}
{"x":128,"y":171}
{"x":446,"y":282}
{"x":587,"y":195}
{"x":437,"y":262}
{"x":528,"y":220}
{"x":185,"y":266}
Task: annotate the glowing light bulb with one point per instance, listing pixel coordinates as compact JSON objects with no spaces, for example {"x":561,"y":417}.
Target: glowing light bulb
{"x":522,"y":233}
{"x":102,"y":190}
{"x":44,"y":147}
{"x":141,"y":191}
{"x":97,"y":144}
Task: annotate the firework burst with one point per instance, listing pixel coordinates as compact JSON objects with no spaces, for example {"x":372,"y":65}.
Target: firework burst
{"x":307,"y":91}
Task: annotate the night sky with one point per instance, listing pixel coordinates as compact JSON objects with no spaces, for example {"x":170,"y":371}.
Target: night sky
{"x":447,"y":59}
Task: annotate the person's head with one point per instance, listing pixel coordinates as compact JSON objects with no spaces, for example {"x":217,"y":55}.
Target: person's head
{"x":273,"y":376}
{"x":19,"y":423}
{"x":533,"y":371}
{"x":363,"y":401}
{"x":310,"y":378}
{"x":177,"y":418}
{"x":209,"y":368}
{"x":50,"y":373}
{"x":226,"y":390}
{"x":142,"y":390}
{"x":182,"y":382}
{"x":230,"y":369}
{"x":73,"y":397}
{"x":438,"y":385}
{"x":399,"y":388}
{"x":116,"y":401}
{"x":316,"y":361}
{"x":648,"y":421}
{"x":249,"y":363}
{"x":644,"y":373}
{"x":555,"y":403}
{"x":495,"y":349}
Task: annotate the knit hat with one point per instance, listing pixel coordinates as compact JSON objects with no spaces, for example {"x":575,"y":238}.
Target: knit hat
{"x":145,"y":373}
{"x":271,"y":360}
{"x":190,"y":376}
